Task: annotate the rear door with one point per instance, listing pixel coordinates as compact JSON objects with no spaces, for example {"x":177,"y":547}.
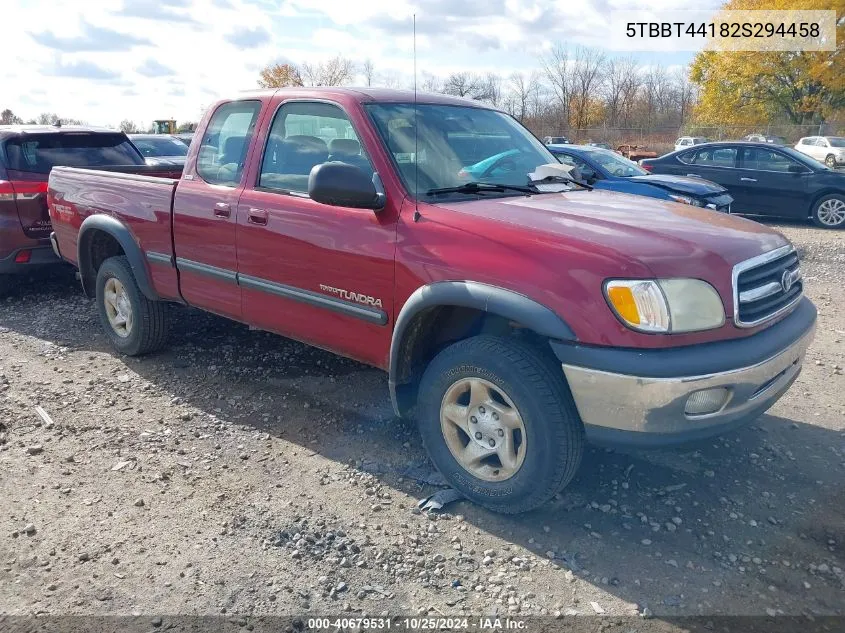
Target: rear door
{"x":29,"y":157}
{"x":771,"y":183}
{"x":205,"y":210}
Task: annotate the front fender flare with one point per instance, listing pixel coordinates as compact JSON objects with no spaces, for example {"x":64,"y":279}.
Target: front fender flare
{"x":120,"y":232}
{"x":471,"y":294}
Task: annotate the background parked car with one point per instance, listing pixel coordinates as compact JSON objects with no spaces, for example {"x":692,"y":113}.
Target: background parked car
{"x":605,"y":169}
{"x":27,"y":153}
{"x":828,"y":149}
{"x":689,"y":141}
{"x":160,"y":149}
{"x":556,"y":140}
{"x":185,"y":137}
{"x":600,"y":145}
{"x":765,"y":138}
{"x":764,"y":179}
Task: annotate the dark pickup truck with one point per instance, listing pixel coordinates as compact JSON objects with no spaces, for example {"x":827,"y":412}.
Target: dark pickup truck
{"x":516,"y":313}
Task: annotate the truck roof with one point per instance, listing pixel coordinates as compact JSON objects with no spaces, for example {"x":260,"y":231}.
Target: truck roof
{"x":366,"y":95}
{"x":7,"y":131}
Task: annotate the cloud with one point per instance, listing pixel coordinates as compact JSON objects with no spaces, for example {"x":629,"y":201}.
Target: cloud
{"x":82,"y":70}
{"x":164,"y":10}
{"x":245,"y":37}
{"x":152,"y":68}
{"x":93,"y":39}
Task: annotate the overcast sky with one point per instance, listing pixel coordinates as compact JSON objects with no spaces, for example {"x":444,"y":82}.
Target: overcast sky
{"x":103,"y":61}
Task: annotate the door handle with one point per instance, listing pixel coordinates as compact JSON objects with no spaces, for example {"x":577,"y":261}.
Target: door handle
{"x":257,"y":216}
{"x":222,"y":210}
{"x":748,"y":179}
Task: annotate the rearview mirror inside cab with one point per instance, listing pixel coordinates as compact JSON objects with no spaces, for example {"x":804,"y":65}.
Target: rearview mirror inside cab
{"x":343,"y":185}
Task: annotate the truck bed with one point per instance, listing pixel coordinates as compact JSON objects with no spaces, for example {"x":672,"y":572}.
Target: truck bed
{"x":138,"y":197}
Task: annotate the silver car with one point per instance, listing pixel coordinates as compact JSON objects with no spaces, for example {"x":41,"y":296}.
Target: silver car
{"x":829,"y":150}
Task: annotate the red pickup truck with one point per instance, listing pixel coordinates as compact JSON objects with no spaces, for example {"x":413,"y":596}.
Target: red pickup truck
{"x":517,"y":314}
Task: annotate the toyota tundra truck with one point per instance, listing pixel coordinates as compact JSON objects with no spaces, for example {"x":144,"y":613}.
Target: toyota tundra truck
{"x":517,"y":312}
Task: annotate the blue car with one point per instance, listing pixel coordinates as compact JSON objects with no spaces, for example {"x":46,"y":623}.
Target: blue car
{"x":605,"y":169}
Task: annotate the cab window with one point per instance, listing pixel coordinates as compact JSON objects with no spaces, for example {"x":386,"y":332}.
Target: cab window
{"x":767,"y":160}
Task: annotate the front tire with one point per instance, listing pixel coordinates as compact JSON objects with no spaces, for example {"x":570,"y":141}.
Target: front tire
{"x":134,"y":324}
{"x":829,"y":211}
{"x":499,"y":423}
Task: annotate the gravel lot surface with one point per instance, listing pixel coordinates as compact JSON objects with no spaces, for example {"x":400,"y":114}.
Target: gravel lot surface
{"x":238,"y":472}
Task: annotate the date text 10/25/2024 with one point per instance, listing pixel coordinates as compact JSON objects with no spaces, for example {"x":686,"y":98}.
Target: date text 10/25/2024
{"x":482,"y":623}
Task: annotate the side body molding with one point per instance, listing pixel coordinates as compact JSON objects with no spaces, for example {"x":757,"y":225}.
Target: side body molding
{"x":470,"y":294}
{"x":119,"y":231}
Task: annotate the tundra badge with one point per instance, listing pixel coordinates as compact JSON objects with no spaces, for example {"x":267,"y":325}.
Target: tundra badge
{"x":352,"y":296}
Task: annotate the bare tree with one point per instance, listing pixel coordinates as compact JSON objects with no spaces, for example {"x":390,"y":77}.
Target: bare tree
{"x":558,"y":71}
{"x":369,"y":71}
{"x":620,"y":75}
{"x":523,"y":88}
{"x":392,"y":79}
{"x":335,"y":72}
{"x":128,"y":127}
{"x":468,"y":85}
{"x":430,"y":83}
{"x":588,"y":75}
{"x":493,"y":88}
{"x":7,"y":117}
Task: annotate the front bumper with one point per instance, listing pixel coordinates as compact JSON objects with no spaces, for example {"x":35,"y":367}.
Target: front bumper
{"x":643,"y":402}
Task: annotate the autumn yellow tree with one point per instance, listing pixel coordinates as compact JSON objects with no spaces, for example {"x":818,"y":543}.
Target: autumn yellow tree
{"x":280,"y":76}
{"x":749,"y":87}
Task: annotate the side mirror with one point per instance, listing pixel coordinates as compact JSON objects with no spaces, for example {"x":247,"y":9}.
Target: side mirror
{"x":343,"y":185}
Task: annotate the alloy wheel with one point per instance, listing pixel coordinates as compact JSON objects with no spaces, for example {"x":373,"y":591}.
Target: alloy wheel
{"x":483,"y":429}
{"x":118,"y":307}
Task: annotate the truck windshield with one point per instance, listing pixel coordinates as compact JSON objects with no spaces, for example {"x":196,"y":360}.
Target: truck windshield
{"x":442,"y":146}
{"x":38,"y":153}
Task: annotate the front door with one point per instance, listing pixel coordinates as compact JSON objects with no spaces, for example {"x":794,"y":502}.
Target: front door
{"x":316,"y":273}
{"x":771,"y":183}
{"x":205,"y":211}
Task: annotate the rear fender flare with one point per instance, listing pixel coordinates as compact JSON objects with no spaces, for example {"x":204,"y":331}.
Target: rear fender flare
{"x":120,"y":232}
{"x":471,"y":294}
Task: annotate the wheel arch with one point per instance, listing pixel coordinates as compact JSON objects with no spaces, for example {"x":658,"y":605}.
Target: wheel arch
{"x":495,"y":306}
{"x":103,"y":236}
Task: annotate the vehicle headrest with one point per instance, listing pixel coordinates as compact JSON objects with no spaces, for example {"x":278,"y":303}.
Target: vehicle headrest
{"x":344,"y":146}
{"x":308,"y":143}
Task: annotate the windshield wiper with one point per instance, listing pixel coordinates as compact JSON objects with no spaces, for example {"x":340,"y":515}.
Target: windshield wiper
{"x":552,"y":179}
{"x":481,"y":187}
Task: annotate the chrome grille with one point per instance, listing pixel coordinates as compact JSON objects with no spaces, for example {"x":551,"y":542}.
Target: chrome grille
{"x":766,"y":286}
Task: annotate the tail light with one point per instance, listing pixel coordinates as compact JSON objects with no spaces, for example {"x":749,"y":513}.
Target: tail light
{"x":23,"y":257}
{"x":21,"y":189}
{"x":646,"y":166}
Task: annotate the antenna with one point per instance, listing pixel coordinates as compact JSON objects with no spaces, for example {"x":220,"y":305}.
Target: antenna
{"x":417,"y":214}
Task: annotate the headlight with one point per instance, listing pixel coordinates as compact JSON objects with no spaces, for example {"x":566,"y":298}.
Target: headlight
{"x":665,"y":305}
{"x":685,"y":200}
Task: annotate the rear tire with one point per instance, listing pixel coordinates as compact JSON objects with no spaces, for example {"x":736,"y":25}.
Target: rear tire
{"x":134,"y":324}
{"x":829,"y":211}
{"x":508,"y":395}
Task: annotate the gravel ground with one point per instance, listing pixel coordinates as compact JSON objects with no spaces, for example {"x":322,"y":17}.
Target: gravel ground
{"x":241,"y":473}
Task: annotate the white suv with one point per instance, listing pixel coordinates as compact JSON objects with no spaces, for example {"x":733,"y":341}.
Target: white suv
{"x":829,"y":150}
{"x":689,"y":141}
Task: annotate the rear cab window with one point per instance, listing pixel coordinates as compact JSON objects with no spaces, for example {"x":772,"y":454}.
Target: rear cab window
{"x":39,"y":153}
{"x":225,"y":142}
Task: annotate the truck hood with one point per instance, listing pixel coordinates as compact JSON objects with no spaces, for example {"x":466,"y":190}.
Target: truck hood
{"x":669,"y":238}
{"x":680,"y":184}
